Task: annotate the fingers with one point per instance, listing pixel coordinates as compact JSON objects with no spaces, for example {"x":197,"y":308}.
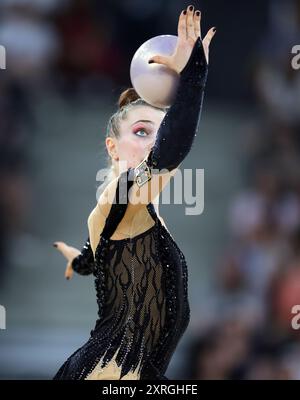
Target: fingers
{"x":181,"y":30}
{"x":61,"y":246}
{"x":197,"y":24}
{"x":189,"y":24}
{"x":190,"y":30}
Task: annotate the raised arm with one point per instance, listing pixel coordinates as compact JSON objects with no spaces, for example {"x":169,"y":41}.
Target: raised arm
{"x":179,"y":126}
{"x":178,"y":129}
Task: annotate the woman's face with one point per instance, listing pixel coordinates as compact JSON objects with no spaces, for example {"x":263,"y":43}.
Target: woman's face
{"x":137,"y":135}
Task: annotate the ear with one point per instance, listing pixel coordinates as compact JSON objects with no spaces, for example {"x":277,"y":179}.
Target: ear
{"x":112,"y":148}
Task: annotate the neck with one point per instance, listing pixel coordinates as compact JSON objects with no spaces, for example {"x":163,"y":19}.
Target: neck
{"x":156,"y":206}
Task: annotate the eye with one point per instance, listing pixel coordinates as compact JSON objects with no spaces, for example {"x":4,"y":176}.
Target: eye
{"x":141,"y":130}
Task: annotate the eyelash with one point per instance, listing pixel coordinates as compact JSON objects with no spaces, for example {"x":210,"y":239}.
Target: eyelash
{"x":141,"y":129}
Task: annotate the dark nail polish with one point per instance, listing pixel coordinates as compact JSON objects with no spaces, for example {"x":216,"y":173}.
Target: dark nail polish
{"x":191,"y":8}
{"x":150,"y":62}
{"x":184,"y":12}
{"x":197,"y":13}
{"x":55,"y":245}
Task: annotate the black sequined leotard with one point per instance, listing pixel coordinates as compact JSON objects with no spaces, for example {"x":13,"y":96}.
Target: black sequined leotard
{"x":141,"y":282}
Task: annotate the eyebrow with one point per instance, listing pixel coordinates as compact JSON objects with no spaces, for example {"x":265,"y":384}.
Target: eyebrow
{"x":143,"y":120}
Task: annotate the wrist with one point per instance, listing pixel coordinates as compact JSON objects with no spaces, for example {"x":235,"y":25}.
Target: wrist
{"x":197,"y":60}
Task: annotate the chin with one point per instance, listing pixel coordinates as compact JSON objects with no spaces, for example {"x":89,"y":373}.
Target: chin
{"x":136,"y":163}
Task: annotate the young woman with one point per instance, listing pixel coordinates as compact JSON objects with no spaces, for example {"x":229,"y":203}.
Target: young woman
{"x":140,"y":272}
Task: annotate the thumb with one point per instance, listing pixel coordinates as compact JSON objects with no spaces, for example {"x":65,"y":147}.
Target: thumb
{"x":69,"y":270}
{"x":158,"y":60}
{"x":210,"y":34}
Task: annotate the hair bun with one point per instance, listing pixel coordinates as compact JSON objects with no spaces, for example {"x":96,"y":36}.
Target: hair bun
{"x":127,"y":96}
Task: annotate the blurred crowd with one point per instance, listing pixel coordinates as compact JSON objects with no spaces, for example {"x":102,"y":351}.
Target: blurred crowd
{"x":252,"y":335}
{"x":72,"y":47}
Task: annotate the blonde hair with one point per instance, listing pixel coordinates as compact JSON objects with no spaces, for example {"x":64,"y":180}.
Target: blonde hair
{"x":127,"y":101}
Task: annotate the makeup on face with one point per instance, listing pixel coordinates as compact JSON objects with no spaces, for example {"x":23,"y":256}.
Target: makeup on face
{"x":141,"y":125}
{"x":143,"y":120}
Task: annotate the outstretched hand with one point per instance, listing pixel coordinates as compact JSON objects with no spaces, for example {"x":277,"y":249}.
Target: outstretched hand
{"x":189,"y":29}
{"x":70,"y":253}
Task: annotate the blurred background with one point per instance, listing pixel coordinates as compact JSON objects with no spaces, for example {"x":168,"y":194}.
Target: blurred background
{"x":67,"y":62}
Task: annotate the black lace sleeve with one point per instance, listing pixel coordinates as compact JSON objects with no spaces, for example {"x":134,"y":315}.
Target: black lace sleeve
{"x":179,"y":126}
{"x":83,"y":264}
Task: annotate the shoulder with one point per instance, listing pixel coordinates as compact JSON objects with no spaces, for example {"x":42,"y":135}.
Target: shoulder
{"x":96,"y":222}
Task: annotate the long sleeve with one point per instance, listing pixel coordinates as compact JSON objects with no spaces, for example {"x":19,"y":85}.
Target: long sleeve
{"x":179,"y":126}
{"x":174,"y":138}
{"x":83,"y":264}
